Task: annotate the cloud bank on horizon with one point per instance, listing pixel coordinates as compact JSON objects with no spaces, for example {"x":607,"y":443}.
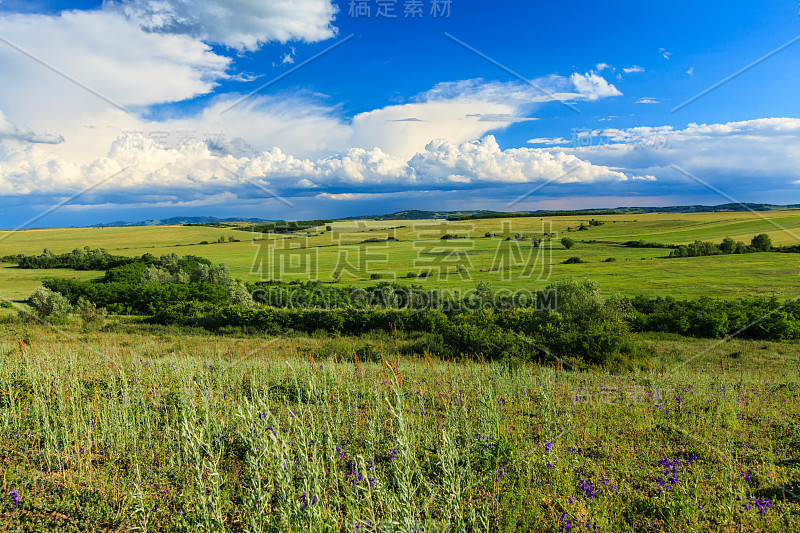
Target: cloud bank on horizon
{"x":158,"y":94}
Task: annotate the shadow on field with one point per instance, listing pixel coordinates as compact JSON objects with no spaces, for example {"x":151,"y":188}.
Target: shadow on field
{"x":789,"y":492}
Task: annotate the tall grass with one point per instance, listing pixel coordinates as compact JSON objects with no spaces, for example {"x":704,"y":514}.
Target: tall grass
{"x":187,"y":433}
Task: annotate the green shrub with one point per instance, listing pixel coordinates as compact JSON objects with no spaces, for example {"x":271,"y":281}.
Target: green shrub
{"x":573,"y":261}
{"x":761,"y":243}
{"x":49,"y":304}
{"x":368,"y":353}
{"x":89,"y":312}
{"x":610,"y":260}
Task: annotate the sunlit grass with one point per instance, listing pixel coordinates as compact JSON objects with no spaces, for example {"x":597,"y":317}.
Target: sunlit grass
{"x":165,"y":430}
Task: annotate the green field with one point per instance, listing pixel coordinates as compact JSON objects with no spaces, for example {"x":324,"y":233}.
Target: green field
{"x":125,"y":423}
{"x":636,"y":270}
{"x":163,"y":430}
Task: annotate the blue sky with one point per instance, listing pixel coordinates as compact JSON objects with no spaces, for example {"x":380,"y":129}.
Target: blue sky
{"x":126,"y":105}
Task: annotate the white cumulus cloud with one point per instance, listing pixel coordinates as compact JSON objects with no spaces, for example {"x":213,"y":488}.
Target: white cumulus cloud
{"x":593,"y":87}
{"x":239,"y":24}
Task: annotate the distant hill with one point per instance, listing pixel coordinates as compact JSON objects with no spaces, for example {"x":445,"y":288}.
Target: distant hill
{"x":723,"y":208}
{"x":415,"y":214}
{"x":176,"y":221}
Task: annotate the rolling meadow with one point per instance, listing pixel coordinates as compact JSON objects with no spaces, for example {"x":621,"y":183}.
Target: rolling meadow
{"x":236,"y":414}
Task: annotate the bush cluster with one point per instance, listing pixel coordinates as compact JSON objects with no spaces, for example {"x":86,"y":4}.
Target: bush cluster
{"x":757,"y":318}
{"x":759,"y":243}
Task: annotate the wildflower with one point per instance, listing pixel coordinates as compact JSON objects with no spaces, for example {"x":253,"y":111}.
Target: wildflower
{"x":14,"y":496}
{"x":762,"y":505}
{"x":547,"y":446}
{"x":590,"y":492}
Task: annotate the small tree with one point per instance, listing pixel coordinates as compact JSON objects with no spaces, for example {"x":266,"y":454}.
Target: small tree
{"x":239,"y":295}
{"x":761,"y":243}
{"x":89,"y":312}
{"x":567,"y":242}
{"x":728,"y":245}
{"x":170,"y":262}
{"x":219,"y":274}
{"x":49,"y":304}
{"x":156,"y":276}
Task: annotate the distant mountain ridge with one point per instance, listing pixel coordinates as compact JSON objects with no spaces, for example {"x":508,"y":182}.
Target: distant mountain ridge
{"x":722,"y":208}
{"x":417,"y":214}
{"x":177,"y":221}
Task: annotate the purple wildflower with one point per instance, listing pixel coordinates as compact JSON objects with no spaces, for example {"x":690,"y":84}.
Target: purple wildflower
{"x":762,"y":505}
{"x":588,"y":488}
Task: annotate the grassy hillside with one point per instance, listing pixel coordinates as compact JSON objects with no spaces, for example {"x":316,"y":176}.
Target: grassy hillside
{"x":635,"y":270}
{"x":162,"y":430}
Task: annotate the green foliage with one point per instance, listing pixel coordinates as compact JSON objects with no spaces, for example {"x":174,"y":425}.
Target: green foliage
{"x":285,"y":227}
{"x":238,"y":295}
{"x":133,"y":298}
{"x":49,"y":304}
{"x":573,"y":261}
{"x":750,"y":318}
{"x":78,"y":259}
{"x":644,"y":244}
{"x":368,"y":353}
{"x":761,"y":243}
{"x":567,"y":243}
{"x":89,"y":312}
{"x":728,"y":246}
{"x":696,"y":249}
